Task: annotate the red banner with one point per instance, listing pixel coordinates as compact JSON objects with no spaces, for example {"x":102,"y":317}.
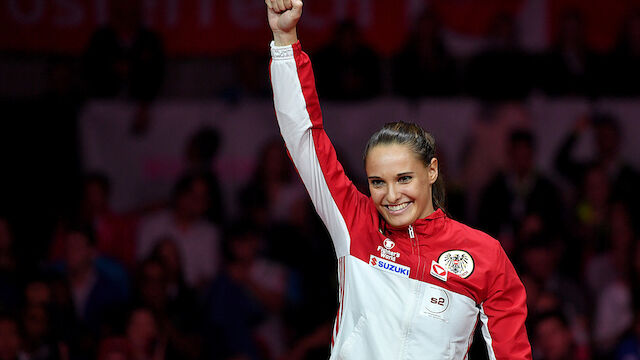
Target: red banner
{"x":217,"y":27}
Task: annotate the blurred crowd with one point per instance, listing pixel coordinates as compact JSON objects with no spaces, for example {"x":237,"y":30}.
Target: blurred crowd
{"x":182,"y":279}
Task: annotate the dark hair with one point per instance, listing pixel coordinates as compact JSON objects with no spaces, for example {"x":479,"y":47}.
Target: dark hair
{"x":419,"y":141}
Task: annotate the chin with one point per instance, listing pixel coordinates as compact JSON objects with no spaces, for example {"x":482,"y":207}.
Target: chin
{"x":398,"y":222}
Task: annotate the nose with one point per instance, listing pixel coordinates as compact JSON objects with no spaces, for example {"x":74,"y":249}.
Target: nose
{"x":392,"y":194}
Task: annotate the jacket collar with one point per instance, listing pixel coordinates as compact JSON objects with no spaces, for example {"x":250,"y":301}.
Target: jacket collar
{"x":428,"y":226}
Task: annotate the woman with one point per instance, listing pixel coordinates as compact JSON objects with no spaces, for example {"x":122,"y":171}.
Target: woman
{"x":413,"y":282}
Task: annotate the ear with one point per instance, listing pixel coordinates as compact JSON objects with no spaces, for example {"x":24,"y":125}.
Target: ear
{"x":432,"y":170}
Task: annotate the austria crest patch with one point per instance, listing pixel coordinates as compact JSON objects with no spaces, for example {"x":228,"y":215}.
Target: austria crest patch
{"x":458,"y":262}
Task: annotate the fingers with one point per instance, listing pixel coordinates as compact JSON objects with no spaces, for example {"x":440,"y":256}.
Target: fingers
{"x":296,"y":7}
{"x":268,"y":3}
{"x":280,"y":5}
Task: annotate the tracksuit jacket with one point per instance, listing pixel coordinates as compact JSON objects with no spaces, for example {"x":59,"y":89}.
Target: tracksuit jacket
{"x":410,"y":293}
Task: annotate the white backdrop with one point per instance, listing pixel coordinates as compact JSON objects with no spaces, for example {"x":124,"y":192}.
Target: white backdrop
{"x":143,"y":169}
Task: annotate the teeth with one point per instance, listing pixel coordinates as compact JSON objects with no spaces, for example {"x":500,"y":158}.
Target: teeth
{"x":397,"y":207}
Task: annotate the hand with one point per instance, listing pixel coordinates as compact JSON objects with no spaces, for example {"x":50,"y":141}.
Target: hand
{"x":283,"y":17}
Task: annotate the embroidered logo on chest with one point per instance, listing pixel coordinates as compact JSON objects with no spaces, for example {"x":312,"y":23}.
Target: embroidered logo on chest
{"x":385,"y":251}
{"x":458,"y":262}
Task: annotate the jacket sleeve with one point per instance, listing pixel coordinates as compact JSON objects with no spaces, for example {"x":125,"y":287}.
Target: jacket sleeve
{"x":335,"y":198}
{"x":504,"y":312}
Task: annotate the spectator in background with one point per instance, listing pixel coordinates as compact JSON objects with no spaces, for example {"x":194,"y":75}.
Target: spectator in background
{"x":273,"y":190}
{"x":125,"y":59}
{"x":245,"y":302}
{"x":519,"y":201}
{"x":94,"y":293}
{"x":621,"y":176}
{"x":500,"y":72}
{"x":39,"y":342}
{"x":185,"y":222}
{"x":425,"y":67}
{"x":553,"y":339}
{"x":624,"y":70}
{"x":348,"y":69}
{"x":570,"y":67}
{"x":540,"y":259}
{"x":115,"y":233}
{"x":201,"y":152}
{"x":176,"y":314}
{"x":141,"y":340}
{"x":10,"y":347}
{"x":629,"y":348}
{"x":9,"y":287}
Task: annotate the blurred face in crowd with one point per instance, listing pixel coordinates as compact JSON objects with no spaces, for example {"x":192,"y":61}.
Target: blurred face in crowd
{"x":142,"y":329}
{"x":400,"y":184}
{"x":521,"y":157}
{"x":553,"y":339}
{"x":38,"y":293}
{"x":95,"y":198}
{"x":36,"y":322}
{"x":154,"y":285}
{"x":194,"y":202}
{"x":540,"y":262}
{"x":245,"y":247}
{"x":169,"y":255}
{"x":9,"y":340}
{"x":79,"y":252}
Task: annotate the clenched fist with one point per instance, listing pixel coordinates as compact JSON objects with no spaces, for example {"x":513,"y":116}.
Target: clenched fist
{"x":283,"y":16}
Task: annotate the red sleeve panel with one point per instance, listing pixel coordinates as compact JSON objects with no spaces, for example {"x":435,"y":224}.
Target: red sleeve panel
{"x":503,"y":313}
{"x":334,"y":196}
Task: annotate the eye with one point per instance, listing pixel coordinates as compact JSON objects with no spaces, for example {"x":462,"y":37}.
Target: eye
{"x":404,"y":179}
{"x":376,"y":182}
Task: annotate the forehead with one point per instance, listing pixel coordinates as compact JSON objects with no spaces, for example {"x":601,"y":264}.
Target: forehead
{"x":391,"y":159}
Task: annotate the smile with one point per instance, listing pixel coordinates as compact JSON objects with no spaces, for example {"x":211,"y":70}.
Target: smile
{"x":397,"y":208}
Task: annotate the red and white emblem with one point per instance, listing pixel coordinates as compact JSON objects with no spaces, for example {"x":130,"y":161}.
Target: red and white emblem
{"x":438,"y":271}
{"x":388,"y":244}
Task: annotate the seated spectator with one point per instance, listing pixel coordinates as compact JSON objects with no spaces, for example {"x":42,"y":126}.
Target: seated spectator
{"x":92,"y":292}
{"x":519,"y":201}
{"x":184,"y":222}
{"x":177,"y":315}
{"x":39,"y":341}
{"x":10,"y":339}
{"x":245,"y":302}
{"x":115,"y":233}
{"x":9,"y":288}
{"x":201,"y":152}
{"x":629,"y":348}
{"x":425,"y":67}
{"x":622,"y":177}
{"x":552,"y":338}
{"x":274,"y":189}
{"x":348,"y":69}
{"x":141,"y":340}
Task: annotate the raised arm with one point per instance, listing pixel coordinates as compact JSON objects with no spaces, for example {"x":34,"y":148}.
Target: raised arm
{"x":335,"y":198}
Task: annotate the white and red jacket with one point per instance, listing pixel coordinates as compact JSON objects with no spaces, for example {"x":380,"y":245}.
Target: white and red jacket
{"x":412,"y":293}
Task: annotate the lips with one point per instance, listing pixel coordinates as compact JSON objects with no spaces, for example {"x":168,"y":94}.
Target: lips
{"x":394,"y":209}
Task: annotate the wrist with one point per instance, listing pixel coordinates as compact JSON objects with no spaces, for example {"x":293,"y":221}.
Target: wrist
{"x":281,"y":38}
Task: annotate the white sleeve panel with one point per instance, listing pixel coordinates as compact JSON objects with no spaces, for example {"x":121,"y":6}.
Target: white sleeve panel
{"x":296,"y":129}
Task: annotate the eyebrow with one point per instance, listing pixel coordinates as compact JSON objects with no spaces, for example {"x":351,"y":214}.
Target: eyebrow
{"x":398,"y":175}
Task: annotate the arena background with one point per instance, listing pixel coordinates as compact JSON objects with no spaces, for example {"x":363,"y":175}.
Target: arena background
{"x":148,"y":209}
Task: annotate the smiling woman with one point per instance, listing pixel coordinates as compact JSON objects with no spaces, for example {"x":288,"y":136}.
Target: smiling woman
{"x":413,"y":282}
{"x":403,"y":173}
